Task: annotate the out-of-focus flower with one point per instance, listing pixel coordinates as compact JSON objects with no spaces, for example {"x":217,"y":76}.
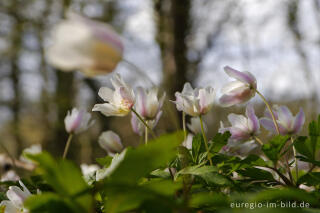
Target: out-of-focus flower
{"x":239,"y":91}
{"x":33,"y":149}
{"x":148,"y":106}
{"x":110,"y":142}
{"x":240,"y":149}
{"x":80,"y":43}
{"x":10,"y":175}
{"x":188,"y":142}
{"x":288,"y":124}
{"x":16,"y":198}
{"x":195,"y":102}
{"x":195,"y":125}
{"x":88,"y":169}
{"x":119,"y":102}
{"x":243,"y":128}
{"x":77,"y":121}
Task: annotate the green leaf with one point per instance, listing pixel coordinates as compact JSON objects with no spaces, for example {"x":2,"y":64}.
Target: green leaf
{"x":273,"y":149}
{"x":286,"y":194}
{"x":208,"y":173}
{"x":105,"y":161}
{"x":65,"y":178}
{"x":209,"y":199}
{"x":122,"y":197}
{"x":304,"y":147}
{"x":256,"y":174}
{"x":219,"y":140}
{"x":197,"y":147}
{"x":49,"y":203}
{"x":146,"y":158}
{"x":310,"y":179}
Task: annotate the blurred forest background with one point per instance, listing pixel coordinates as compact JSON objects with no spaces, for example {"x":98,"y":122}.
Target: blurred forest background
{"x":172,"y":41}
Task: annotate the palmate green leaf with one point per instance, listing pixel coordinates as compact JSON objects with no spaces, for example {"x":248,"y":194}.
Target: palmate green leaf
{"x":65,"y":178}
{"x":273,"y":149}
{"x":304,"y":147}
{"x":139,"y":162}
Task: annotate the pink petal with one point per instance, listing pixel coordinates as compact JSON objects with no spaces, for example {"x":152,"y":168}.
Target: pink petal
{"x":252,"y":119}
{"x":285,"y":116}
{"x":236,"y":97}
{"x":269,"y":125}
{"x":241,"y":76}
{"x":299,"y":121}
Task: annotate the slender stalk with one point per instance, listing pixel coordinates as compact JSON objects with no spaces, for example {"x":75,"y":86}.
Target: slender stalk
{"x":295,"y":159}
{"x":67,"y":146}
{"x":9,"y":155}
{"x":138,"y":71}
{"x":270,"y":110}
{"x":258,"y":140}
{"x":205,"y":140}
{"x":143,"y":121}
{"x":146,"y":135}
{"x":184,"y":125}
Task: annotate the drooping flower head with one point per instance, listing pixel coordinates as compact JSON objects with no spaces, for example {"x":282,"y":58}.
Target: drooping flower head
{"x":16,"y":198}
{"x":80,"y":43}
{"x":119,"y":102}
{"x":195,"y":102}
{"x":239,"y":91}
{"x":288,"y":124}
{"x":242,"y":150}
{"x":243,"y":127}
{"x":77,"y":121}
{"x":148,"y":106}
{"x":111,"y":142}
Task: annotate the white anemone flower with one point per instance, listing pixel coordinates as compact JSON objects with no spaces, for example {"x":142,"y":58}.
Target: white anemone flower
{"x":16,"y":198}
{"x":119,"y":102}
{"x":77,"y":121}
{"x":195,"y":102}
{"x":111,"y":142}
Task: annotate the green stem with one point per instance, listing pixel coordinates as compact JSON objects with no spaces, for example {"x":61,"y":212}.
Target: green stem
{"x":205,"y":140}
{"x":9,"y":155}
{"x":258,"y":140}
{"x":270,"y":110}
{"x":184,"y":125}
{"x":67,"y":146}
{"x":295,"y":159}
{"x":143,"y":121}
{"x":146,"y":135}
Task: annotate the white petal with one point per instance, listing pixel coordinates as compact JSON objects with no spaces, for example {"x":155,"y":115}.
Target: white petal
{"x":106,"y":94}
{"x":109,"y":110}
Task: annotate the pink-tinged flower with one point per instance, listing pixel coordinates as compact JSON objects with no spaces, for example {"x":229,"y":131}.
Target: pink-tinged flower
{"x":77,"y":121}
{"x":288,"y":124}
{"x":243,"y":128}
{"x":119,"y":102}
{"x":242,"y":150}
{"x":79,"y":43}
{"x":239,"y":91}
{"x":110,"y":142}
{"x":16,"y":198}
{"x":138,"y":127}
{"x":195,"y":102}
{"x":148,"y":105}
{"x":10,"y":175}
